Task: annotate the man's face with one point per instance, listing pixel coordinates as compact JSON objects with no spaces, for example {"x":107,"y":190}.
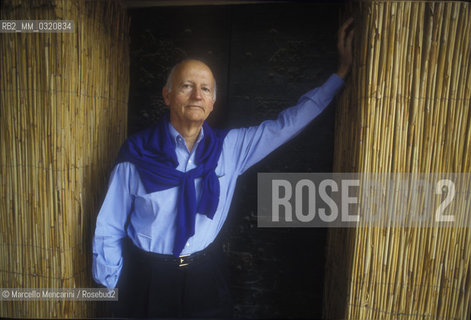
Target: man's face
{"x":191,"y":97}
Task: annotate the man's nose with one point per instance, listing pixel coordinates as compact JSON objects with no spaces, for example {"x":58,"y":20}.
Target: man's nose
{"x":196,"y":93}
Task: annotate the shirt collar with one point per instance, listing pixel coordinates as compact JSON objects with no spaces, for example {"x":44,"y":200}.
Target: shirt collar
{"x":176,"y":137}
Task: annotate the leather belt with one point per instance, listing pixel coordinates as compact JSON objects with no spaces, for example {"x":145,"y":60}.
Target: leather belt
{"x":180,"y":261}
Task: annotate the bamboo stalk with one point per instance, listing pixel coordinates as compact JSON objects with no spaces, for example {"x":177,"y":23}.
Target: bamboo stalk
{"x":406,"y":109}
{"x":60,"y":100}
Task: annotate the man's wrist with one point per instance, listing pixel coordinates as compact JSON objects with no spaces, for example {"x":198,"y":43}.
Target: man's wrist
{"x":342,"y":73}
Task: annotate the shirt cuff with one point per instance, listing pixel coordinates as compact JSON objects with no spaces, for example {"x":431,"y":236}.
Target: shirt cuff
{"x":335,"y":81}
{"x":105,"y":274}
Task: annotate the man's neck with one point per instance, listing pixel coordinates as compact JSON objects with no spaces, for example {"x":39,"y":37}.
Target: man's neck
{"x":189,"y":132}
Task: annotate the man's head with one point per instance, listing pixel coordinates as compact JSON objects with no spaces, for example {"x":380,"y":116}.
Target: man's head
{"x":190,"y":92}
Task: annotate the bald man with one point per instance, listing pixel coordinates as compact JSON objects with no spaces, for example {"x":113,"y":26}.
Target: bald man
{"x":171,"y":189}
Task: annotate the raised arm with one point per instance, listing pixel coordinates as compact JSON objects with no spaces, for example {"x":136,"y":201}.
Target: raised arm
{"x":250,"y":145}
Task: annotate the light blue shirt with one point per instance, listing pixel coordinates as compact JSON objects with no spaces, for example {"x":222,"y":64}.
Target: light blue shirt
{"x":152,"y":216}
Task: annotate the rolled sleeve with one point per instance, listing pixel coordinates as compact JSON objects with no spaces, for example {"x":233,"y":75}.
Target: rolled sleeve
{"x":104,"y":273}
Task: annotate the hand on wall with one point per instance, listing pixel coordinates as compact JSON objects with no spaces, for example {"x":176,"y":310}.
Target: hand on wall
{"x":344,"y":47}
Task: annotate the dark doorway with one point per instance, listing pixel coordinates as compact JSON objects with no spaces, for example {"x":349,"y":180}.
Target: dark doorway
{"x":264,"y":56}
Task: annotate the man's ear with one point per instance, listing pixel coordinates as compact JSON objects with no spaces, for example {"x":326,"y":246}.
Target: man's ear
{"x":165,"y":95}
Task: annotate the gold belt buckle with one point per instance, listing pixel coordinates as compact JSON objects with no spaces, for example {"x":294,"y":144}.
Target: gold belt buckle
{"x":183,"y":262}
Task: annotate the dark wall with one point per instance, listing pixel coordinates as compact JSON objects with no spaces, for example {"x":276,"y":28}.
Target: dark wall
{"x":264,"y":57}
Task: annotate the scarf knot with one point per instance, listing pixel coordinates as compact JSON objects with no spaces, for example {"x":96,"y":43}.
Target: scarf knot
{"x":152,"y":152}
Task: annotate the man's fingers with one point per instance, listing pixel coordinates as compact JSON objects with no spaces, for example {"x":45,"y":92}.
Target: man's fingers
{"x":340,"y":43}
{"x":350,"y":39}
{"x":345,"y":25}
{"x":341,"y":33}
{"x":345,"y":43}
{"x":344,"y":46}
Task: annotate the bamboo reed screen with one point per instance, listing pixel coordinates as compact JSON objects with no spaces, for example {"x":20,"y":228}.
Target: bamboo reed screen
{"x":62,"y":119}
{"x":405,"y":109}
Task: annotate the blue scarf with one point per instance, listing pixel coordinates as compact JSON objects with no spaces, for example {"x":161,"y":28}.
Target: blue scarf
{"x":152,"y":151}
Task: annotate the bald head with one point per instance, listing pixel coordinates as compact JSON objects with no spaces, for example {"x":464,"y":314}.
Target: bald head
{"x":182,"y":65}
{"x":190,"y":93}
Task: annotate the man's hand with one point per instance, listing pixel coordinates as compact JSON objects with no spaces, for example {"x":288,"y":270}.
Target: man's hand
{"x":344,"y":47}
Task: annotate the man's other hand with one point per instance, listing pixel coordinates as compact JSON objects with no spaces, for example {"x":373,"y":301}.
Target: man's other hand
{"x":344,"y":47}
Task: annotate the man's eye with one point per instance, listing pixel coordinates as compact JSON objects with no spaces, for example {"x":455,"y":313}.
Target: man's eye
{"x":186,"y":86}
{"x":206,"y":89}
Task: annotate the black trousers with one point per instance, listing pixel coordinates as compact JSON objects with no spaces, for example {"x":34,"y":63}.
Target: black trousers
{"x":149,"y":287}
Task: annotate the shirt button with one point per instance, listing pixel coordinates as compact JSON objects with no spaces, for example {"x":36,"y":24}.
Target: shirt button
{"x":187,"y":244}
{"x":190,"y":161}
